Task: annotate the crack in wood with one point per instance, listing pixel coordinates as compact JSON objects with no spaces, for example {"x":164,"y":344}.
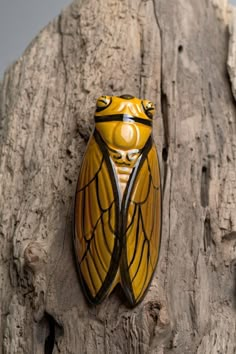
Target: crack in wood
{"x":205,"y":186}
{"x":50,"y":339}
{"x":54,"y":330}
{"x":207,"y":239}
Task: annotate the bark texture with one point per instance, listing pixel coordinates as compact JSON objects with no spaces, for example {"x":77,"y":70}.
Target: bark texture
{"x":174,"y":53}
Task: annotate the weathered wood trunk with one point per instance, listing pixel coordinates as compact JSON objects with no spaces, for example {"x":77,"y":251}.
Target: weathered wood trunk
{"x":174,"y":53}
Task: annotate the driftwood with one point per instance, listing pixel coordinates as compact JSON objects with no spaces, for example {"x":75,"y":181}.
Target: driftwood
{"x":175,"y":54}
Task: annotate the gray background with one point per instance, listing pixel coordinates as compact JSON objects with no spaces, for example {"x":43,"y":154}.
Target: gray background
{"x":21,"y":20}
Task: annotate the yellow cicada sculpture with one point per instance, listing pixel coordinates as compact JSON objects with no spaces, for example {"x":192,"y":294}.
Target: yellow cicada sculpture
{"x":118,"y":201}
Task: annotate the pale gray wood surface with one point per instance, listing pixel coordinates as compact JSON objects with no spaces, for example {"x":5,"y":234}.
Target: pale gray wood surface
{"x":174,"y":53}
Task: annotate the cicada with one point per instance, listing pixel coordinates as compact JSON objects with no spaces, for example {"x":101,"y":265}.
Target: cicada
{"x":118,"y":201}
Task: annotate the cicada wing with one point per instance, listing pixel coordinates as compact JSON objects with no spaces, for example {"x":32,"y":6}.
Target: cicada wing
{"x":96,"y":217}
{"x":143,"y":228}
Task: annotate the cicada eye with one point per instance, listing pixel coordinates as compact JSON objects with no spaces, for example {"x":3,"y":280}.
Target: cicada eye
{"x":103,"y":102}
{"x":149,"y":108}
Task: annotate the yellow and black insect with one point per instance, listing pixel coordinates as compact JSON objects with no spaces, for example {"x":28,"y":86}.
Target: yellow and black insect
{"x":118,"y":201}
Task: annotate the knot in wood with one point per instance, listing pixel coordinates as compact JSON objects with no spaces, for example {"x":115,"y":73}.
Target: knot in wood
{"x":35,"y":256}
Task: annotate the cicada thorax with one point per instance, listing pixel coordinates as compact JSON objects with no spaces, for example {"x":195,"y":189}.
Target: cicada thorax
{"x":124,"y":142}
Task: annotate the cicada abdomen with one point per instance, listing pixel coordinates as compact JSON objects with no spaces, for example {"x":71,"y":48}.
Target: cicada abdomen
{"x":118,"y":201}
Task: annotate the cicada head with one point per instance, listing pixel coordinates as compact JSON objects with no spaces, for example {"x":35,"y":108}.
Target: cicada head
{"x":149,"y":108}
{"x":102,"y":103}
{"x":124,"y":122}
